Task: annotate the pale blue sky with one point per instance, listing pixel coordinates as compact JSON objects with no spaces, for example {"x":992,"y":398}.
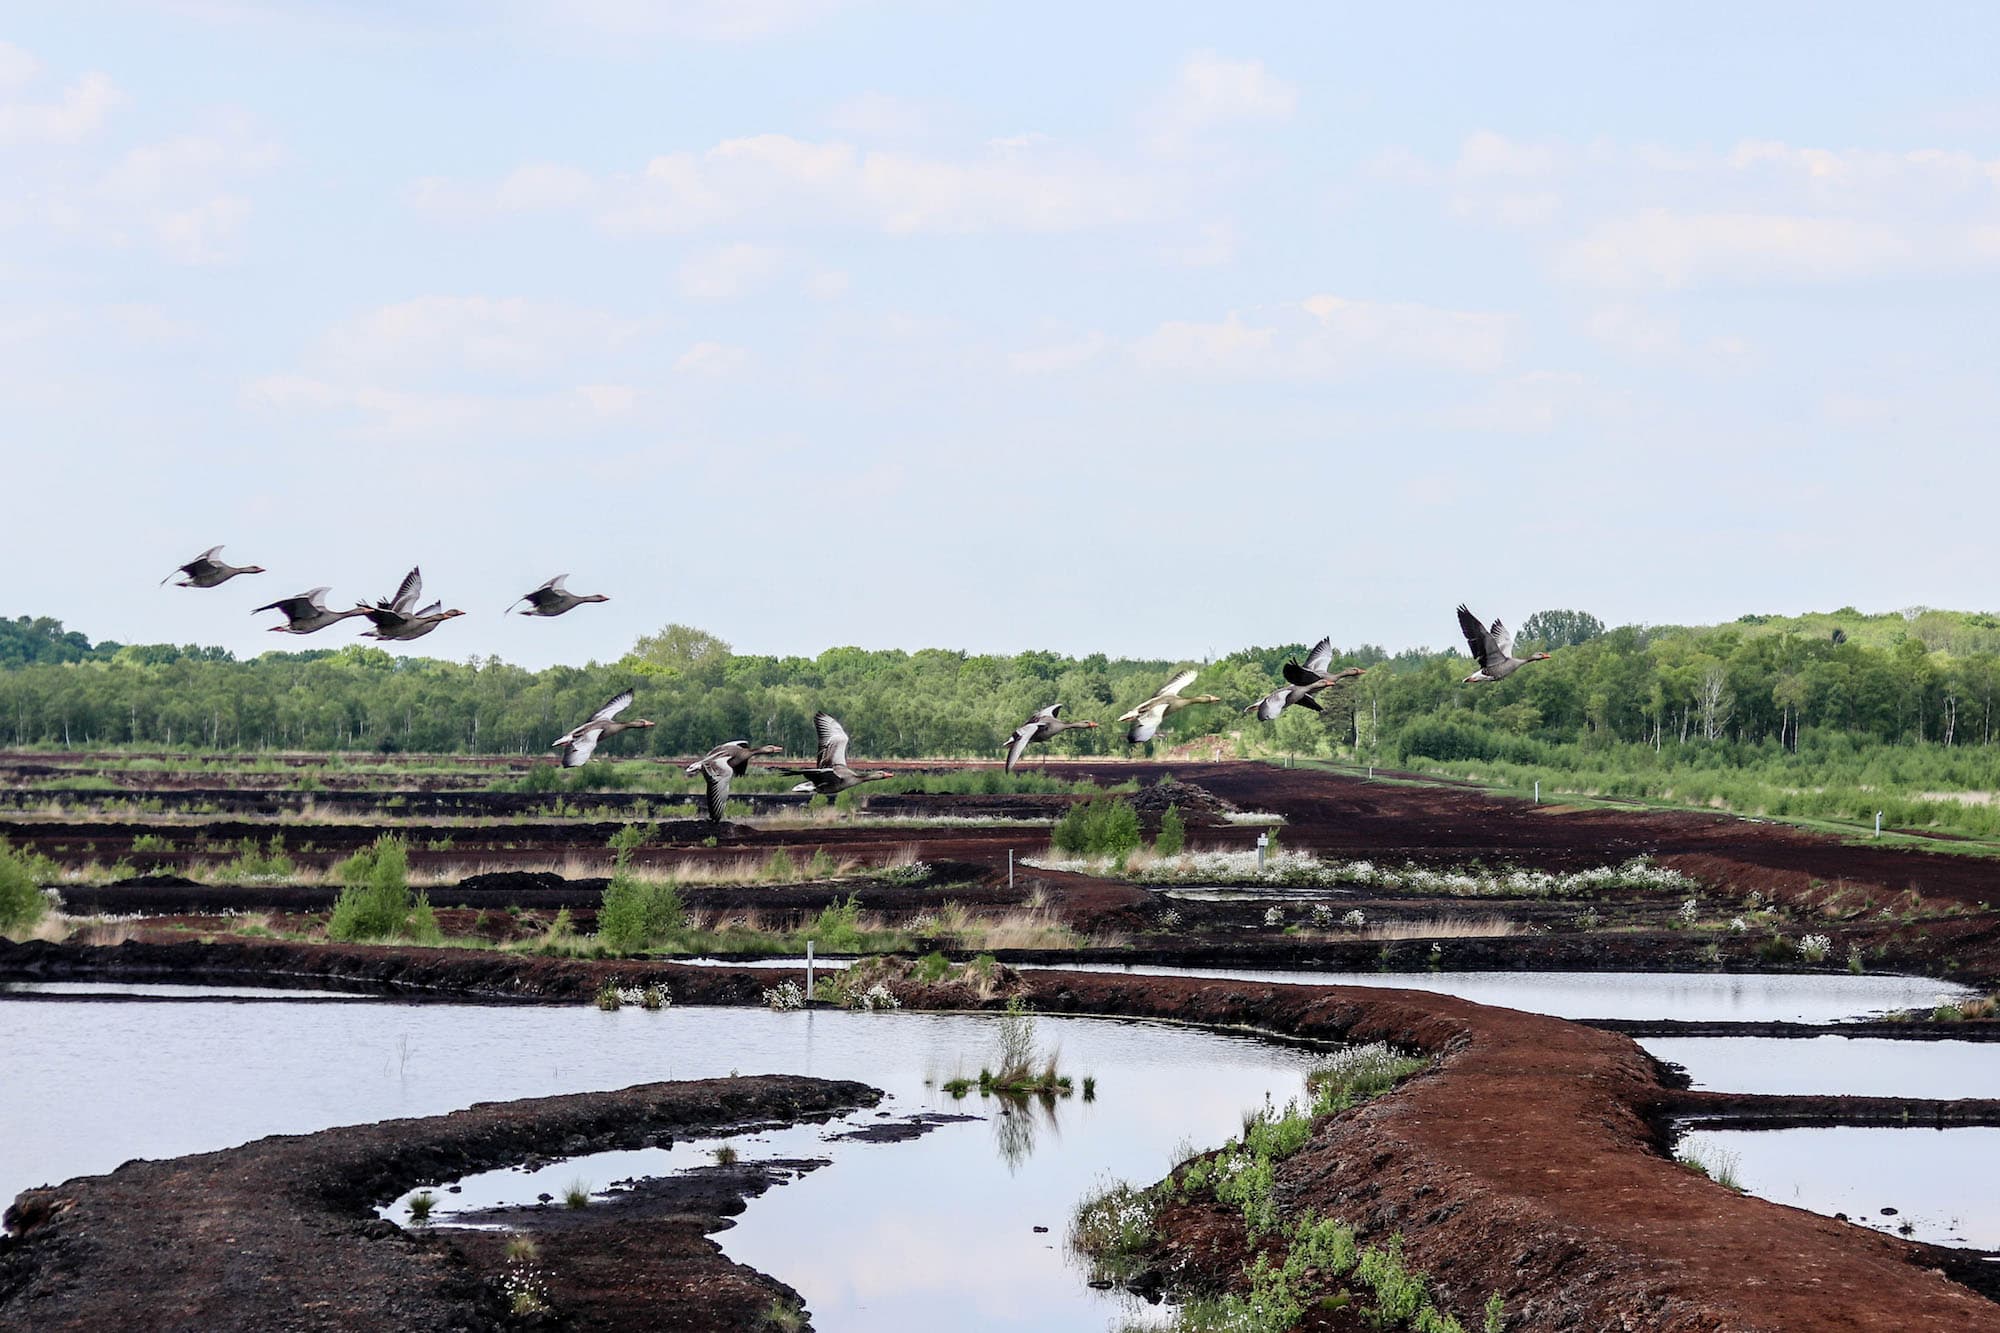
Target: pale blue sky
{"x":1156,"y":329}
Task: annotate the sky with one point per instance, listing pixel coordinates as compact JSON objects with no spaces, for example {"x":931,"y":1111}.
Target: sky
{"x":1154,"y":329}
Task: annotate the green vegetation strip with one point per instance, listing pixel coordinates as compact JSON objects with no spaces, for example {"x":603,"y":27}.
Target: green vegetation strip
{"x":1302,"y":1263}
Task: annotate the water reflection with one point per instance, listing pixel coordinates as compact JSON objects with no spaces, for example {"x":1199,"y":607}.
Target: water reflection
{"x":936,"y":1232}
{"x":1744,"y":997}
{"x":1835,"y":1066}
{"x":1015,"y":1121}
{"x":1920,"y":1183}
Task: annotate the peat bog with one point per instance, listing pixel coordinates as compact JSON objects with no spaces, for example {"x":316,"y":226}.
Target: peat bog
{"x":1772,"y":986}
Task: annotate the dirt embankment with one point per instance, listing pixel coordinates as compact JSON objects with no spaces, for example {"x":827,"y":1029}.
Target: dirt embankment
{"x":1530,"y":1163}
{"x":280,"y":1233}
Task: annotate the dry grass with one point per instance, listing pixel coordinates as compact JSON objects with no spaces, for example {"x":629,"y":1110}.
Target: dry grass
{"x":1025,"y":928}
{"x":56,"y":927}
{"x":108,"y":933}
{"x":1442,"y":927}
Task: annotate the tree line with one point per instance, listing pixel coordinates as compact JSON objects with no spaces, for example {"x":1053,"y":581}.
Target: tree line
{"x":1925,"y":678}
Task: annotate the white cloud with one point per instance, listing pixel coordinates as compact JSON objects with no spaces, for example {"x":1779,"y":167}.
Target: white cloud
{"x":874,"y":115}
{"x":711,"y":20}
{"x":718,"y":275}
{"x":183,"y":195}
{"x":1529,"y":404}
{"x":130,"y":321}
{"x":17,"y":67}
{"x":1330,"y":337}
{"x":202,"y":232}
{"x":779,"y":180}
{"x":1649,"y":338}
{"x":710,"y":359}
{"x":608,"y":400}
{"x":1214,"y":243}
{"x":1211,"y":93}
{"x":429,"y":415}
{"x":1485,"y":153}
{"x":545,"y":185}
{"x":1230,"y":348}
{"x":506,"y":335}
{"x":454,"y":366}
{"x":829,"y":285}
{"x":1058,"y":357}
{"x":1667,"y":249}
{"x":1638,"y":216}
{"x":77,"y":114}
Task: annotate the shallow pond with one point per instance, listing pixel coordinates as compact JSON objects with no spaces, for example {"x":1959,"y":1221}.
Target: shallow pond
{"x":1744,"y":997}
{"x":1835,"y":1066}
{"x":925,"y":1234}
{"x":1938,"y":1182}
{"x":149,"y":990}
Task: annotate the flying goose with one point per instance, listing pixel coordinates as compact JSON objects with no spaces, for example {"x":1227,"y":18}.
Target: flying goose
{"x":205,"y":571}
{"x":578,"y":743}
{"x":306,"y":612}
{"x":404,"y":603}
{"x":552,"y":599}
{"x":1492,"y":647}
{"x":1040,"y":727}
{"x":721,"y":765}
{"x":396,"y":618}
{"x":1303,"y":682}
{"x":830,"y":774}
{"x":391,"y":625}
{"x":1146,"y":717}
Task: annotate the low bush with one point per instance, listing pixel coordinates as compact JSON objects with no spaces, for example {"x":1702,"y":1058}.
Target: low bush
{"x":375,"y":902}
{"x":22,"y":901}
{"x":1099,"y":826}
{"x":637,"y":914}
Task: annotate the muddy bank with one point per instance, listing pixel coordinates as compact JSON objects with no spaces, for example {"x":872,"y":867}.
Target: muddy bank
{"x":1531,"y":1163}
{"x":1746,"y":1110}
{"x":1889,"y":1029}
{"x":542,"y":891}
{"x":280,"y":1233}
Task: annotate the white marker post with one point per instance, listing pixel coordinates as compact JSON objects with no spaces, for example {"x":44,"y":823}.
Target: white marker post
{"x":1878,"y":823}
{"x":1263,"y":841}
{"x":1538,"y":791}
{"x":1010,"y":870}
{"x":809,"y":969}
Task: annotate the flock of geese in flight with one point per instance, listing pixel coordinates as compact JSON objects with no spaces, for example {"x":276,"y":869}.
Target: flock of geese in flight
{"x":398,"y":618}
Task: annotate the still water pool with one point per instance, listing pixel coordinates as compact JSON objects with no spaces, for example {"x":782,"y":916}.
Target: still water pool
{"x":936,"y":1232}
{"x":1743,"y":997}
{"x":1835,"y":1066}
{"x":1936,"y":1184}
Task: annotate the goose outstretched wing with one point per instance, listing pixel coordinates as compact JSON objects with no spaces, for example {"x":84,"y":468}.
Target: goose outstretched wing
{"x":619,"y":703}
{"x":832,"y":741}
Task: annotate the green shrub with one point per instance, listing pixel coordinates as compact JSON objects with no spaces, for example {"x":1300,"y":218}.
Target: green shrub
{"x":637,"y":915}
{"x":250,"y":863}
{"x":22,"y":902}
{"x":376,"y":902}
{"x":1098,"y":827}
{"x":634,"y":914}
{"x":1113,"y":1228}
{"x":422,"y":925}
{"x":1172,"y":838}
{"x":837,"y":928}
{"x":780,"y":868}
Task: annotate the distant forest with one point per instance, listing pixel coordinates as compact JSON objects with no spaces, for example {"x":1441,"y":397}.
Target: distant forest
{"x":1764,"y":684}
